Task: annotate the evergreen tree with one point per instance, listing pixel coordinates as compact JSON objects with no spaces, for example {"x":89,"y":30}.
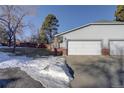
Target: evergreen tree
{"x":49,"y":28}
{"x":119,"y":13}
{"x":42,"y":37}
{"x":3,"y":35}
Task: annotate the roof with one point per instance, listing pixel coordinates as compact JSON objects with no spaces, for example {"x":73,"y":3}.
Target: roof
{"x":95,"y":23}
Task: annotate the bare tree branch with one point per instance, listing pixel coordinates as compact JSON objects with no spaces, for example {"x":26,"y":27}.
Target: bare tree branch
{"x":12,"y":18}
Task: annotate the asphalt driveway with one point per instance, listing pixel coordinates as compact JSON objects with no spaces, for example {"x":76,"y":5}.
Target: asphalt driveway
{"x":93,"y":71}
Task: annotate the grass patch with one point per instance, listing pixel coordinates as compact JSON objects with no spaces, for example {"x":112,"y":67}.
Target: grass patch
{"x":30,"y":52}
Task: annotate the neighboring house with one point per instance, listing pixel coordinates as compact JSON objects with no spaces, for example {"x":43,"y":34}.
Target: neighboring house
{"x":94,"y":39}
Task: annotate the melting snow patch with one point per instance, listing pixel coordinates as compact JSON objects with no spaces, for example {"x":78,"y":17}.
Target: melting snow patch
{"x":4,"y":56}
{"x":50,"y":71}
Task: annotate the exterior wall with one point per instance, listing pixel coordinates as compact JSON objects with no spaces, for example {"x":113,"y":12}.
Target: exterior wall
{"x":95,"y":32}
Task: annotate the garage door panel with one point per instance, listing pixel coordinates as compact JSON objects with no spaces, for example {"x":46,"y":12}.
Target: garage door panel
{"x":84,"y":48}
{"x":116,"y":47}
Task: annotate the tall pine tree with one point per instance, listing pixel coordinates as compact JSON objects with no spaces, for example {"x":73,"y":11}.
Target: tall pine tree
{"x":49,"y":28}
{"x":119,"y":13}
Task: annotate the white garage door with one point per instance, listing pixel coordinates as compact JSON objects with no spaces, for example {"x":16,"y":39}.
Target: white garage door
{"x":116,"y":47}
{"x":84,"y":48}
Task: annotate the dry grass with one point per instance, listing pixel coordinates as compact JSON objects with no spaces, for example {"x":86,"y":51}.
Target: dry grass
{"x":30,"y":52}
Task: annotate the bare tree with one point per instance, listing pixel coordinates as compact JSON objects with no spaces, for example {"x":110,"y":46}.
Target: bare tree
{"x":34,"y":33}
{"x":12,"y":17}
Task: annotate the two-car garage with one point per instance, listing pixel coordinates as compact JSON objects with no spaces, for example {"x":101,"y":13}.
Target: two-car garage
{"x":94,"y":47}
{"x":94,"y":39}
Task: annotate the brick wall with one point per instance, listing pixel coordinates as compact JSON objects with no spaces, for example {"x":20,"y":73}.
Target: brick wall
{"x":105,"y":51}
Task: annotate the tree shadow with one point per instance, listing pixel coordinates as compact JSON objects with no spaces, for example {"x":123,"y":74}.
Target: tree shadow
{"x":118,"y":54}
{"x":71,"y":72}
{"x":5,"y":82}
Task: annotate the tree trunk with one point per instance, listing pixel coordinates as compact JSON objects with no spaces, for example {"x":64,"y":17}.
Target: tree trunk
{"x":50,"y":35}
{"x":9,"y":41}
{"x":50,"y":39}
{"x":47,"y":41}
{"x":14,"y":43}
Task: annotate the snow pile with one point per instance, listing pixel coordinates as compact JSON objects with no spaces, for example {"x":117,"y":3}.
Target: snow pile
{"x":50,"y":71}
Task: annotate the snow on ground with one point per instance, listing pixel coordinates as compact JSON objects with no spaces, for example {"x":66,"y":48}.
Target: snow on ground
{"x":4,"y":57}
{"x":50,"y":71}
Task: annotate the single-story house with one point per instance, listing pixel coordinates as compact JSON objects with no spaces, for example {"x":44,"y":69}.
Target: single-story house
{"x":93,"y":39}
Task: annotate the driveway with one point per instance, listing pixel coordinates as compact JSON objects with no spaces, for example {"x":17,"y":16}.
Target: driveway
{"x":93,"y":71}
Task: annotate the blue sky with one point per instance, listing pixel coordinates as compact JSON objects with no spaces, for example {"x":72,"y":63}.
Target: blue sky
{"x":72,"y":16}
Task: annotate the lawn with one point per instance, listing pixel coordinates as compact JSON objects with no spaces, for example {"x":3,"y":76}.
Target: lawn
{"x":30,"y":52}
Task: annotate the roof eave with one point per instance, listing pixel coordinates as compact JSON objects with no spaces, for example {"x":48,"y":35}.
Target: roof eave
{"x":68,"y":31}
